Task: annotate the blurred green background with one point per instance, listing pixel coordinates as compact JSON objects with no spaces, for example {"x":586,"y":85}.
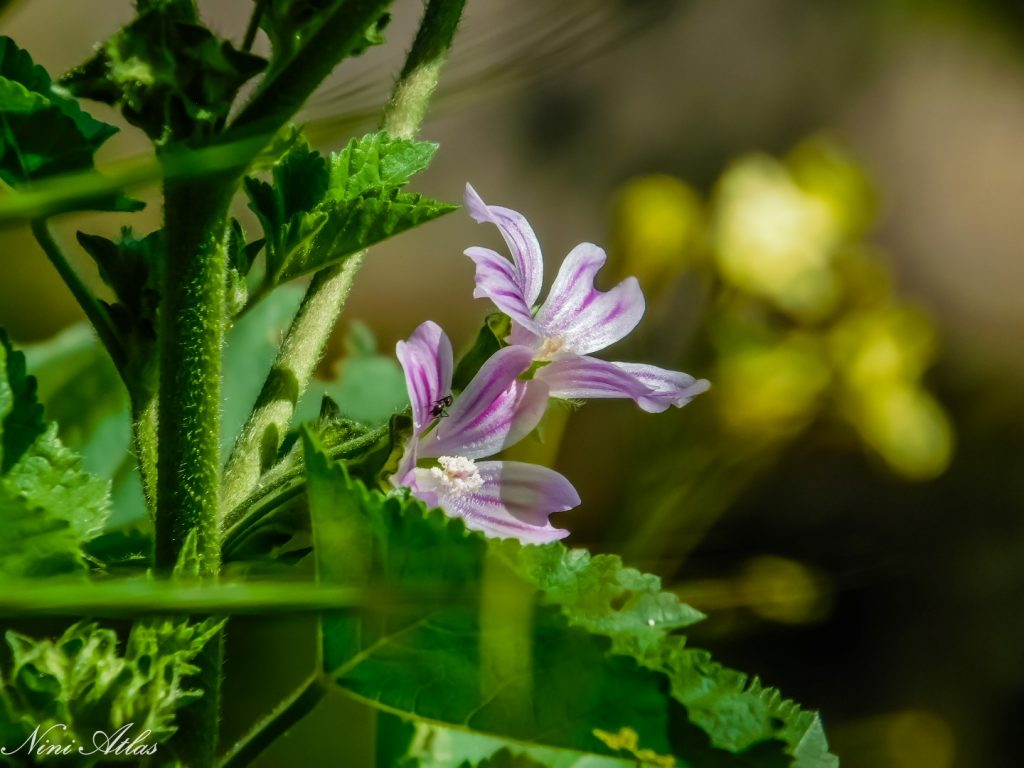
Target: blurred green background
{"x":822,"y":202}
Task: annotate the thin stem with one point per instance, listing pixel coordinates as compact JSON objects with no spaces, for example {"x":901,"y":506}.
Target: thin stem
{"x":327,"y":293}
{"x":94,"y":311}
{"x":289,"y":712}
{"x":254,"y":25}
{"x":256,"y":447}
{"x":282,"y":94}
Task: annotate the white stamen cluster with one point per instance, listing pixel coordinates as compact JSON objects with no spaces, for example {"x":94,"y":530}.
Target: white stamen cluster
{"x":457,"y":475}
{"x":551,"y":347}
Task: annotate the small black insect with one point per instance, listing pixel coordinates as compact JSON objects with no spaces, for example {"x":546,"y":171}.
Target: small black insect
{"x":440,"y":407}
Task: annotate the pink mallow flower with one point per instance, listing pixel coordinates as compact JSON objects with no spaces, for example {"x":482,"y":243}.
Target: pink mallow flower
{"x":497,"y":409}
{"x":575,"y":318}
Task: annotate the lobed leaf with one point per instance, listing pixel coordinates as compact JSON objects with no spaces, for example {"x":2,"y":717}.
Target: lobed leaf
{"x":541,"y":646}
{"x":353,"y":225}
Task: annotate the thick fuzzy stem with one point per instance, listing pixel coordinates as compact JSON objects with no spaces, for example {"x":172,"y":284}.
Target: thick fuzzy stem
{"x":144,"y":442}
{"x":188,"y":467}
{"x":191,"y":340}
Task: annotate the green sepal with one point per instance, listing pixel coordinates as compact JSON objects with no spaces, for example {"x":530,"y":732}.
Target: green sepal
{"x":496,"y":328}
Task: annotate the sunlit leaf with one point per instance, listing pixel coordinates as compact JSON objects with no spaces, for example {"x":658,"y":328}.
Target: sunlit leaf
{"x":318,"y":211}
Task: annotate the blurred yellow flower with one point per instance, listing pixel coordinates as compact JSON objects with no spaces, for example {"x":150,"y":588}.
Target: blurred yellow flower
{"x":658,"y":220}
{"x":907,"y":427}
{"x":771,"y":389}
{"x":882,"y":345}
{"x":774,"y":240}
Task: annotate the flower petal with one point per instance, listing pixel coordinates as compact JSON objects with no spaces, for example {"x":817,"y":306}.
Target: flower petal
{"x":584,"y":318}
{"x":522,"y":243}
{"x":496,"y":280}
{"x":514,"y":501}
{"x":654,"y":389}
{"x":495,"y":410}
{"x":426,"y":359}
{"x":577,"y":377}
{"x":666,"y":387}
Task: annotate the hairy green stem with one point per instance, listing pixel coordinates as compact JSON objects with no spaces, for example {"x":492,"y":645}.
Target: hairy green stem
{"x":286,"y":714}
{"x":256,"y":448}
{"x":144,"y":442}
{"x":94,"y":311}
{"x":411,"y":96}
{"x":309,"y":332}
{"x":191,"y":336}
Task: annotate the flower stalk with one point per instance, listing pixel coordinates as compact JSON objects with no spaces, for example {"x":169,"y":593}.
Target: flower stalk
{"x":325,"y":298}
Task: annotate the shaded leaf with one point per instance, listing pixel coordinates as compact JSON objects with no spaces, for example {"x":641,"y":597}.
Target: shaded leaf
{"x":368,"y":387}
{"x":84,"y":394}
{"x":49,"y":506}
{"x":170,"y":76}
{"x":42,"y":130}
{"x":483,"y":657}
{"x":82,"y":682}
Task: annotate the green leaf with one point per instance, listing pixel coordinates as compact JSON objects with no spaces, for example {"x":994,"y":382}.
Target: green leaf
{"x":48,"y":505}
{"x":131,"y":266}
{"x":285,"y":208}
{"x":376,"y":163}
{"x":83,"y":392}
{"x":42,"y":130}
{"x":437,"y":747}
{"x":249,"y":353}
{"x":537,"y":645}
{"x":355,"y":225}
{"x":318,"y":212}
{"x":82,"y":681}
{"x":170,"y":75}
